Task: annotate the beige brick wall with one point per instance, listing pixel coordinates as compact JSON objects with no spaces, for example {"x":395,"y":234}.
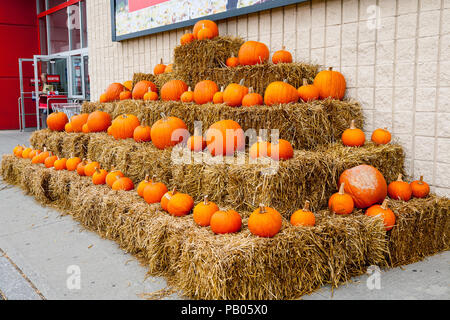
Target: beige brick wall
{"x":398,"y":66}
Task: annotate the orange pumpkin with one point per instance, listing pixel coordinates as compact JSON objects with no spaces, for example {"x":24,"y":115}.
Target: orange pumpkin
{"x":187,"y":96}
{"x":253,"y":52}
{"x":205,"y":33}
{"x":172,"y":90}
{"x":225,"y":137}
{"x":331,"y":84}
{"x":303,"y":217}
{"x":196,"y":142}
{"x":50,"y":161}
{"x":234,"y":93}
{"x":129,"y":85}
{"x":80,"y":168}
{"x":420,"y":189}
{"x":222,"y":222}
{"x":169,"y":68}
{"x":103,"y":98}
{"x":68,"y":127}
{"x":57,"y":121}
{"x":252,"y":99}
{"x":265,"y":222}
{"x":282,"y":56}
{"x":260,"y":149}
{"x":400,"y":190}
{"x":159,"y":68}
{"x":340,"y":202}
{"x":113,"y":176}
{"x":123,"y":126}
{"x":40,"y":158}
{"x":180,"y":204}
{"x":280,"y":92}
{"x":18,"y":151}
{"x":141,"y":88}
{"x":150,"y":95}
{"x":308,"y":92}
{"x":365,"y":184}
{"x":60,"y":164}
{"x":232,"y":61}
{"x":26,"y":152}
{"x":90,"y":168}
{"x":204,"y":91}
{"x":141,"y":186}
{"x":99,"y":176}
{"x":166,"y":198}
{"x":154,"y":192}
{"x":85,"y":128}
{"x":125,"y":95}
{"x":353,"y":137}
{"x":218,"y":96}
{"x":186,"y":38}
{"x":168,"y":132}
{"x":123,"y":183}
{"x":33,"y":153}
{"x":381,"y":136}
{"x":72,"y":163}
{"x":113,"y":91}
{"x":78,"y":121}
{"x":282,"y":150}
{"x":203,"y":212}
{"x":98,"y":121}
{"x":211,"y":25}
{"x":384,"y":212}
{"x":142,"y":134}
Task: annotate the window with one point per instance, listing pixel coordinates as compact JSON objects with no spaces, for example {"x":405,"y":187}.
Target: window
{"x":43,"y":35}
{"x":74,"y":24}
{"x":58,"y":31}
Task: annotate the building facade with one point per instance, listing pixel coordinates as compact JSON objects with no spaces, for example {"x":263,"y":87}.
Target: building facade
{"x":395,"y":56}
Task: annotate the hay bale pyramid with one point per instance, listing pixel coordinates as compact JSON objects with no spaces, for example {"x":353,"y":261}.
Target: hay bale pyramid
{"x":199,"y":261}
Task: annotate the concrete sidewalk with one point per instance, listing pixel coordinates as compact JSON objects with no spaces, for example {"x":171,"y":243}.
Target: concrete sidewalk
{"x":44,"y":255}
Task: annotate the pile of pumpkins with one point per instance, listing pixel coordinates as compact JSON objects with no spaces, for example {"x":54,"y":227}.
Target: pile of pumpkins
{"x":355,"y":137}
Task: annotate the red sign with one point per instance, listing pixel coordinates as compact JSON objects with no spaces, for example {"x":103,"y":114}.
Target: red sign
{"x":32,"y":81}
{"x":134,"y":5}
{"x":53,"y":78}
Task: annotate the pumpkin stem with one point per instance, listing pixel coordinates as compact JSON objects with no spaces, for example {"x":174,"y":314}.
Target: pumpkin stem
{"x":399,"y":178}
{"x":241,"y":82}
{"x":352,"y":124}
{"x":341,"y":188}
{"x":250,"y":90}
{"x":190,"y":89}
{"x":262,"y":208}
{"x":222,"y":88}
{"x":421,"y":180}
{"x":306,"y":206}
{"x":330,"y":69}
{"x":174,"y":190}
{"x":146,"y":178}
{"x":205,"y":200}
{"x":384,"y":204}
{"x":305,"y":82}
{"x":97,"y":170}
{"x":283,"y":47}
{"x":154,"y":178}
{"x":161,"y":61}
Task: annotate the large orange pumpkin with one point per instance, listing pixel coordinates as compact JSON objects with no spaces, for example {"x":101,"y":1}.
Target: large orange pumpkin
{"x":204,"y":91}
{"x":211,"y":25}
{"x":365,"y":184}
{"x":222,"y":222}
{"x":98,"y":121}
{"x":141,"y":88}
{"x":234,"y":93}
{"x":168,"y":132}
{"x":280,"y":92}
{"x":113,"y":91}
{"x":331,"y":84}
{"x":225,"y":137}
{"x":172,"y":90}
{"x":57,"y":121}
{"x":180,"y":204}
{"x":253,"y":52}
{"x":265,"y":222}
{"x":78,"y":121}
{"x":123,"y":126}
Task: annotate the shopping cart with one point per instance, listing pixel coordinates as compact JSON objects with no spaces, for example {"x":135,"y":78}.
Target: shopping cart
{"x":70,"y":109}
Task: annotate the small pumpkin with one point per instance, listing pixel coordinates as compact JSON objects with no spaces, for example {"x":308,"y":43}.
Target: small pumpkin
{"x":211,"y":25}
{"x":124,"y":125}
{"x":141,"y":88}
{"x":141,"y":186}
{"x":400,"y":190}
{"x":77,"y":121}
{"x":68,"y":127}
{"x":154,"y":192}
{"x":180,"y":204}
{"x":222,"y":222}
{"x":205,"y":33}
{"x":282,"y":56}
{"x":308,"y":92}
{"x":125,"y":95}
{"x":204,"y":91}
{"x":365,"y":184}
{"x":303,"y":217}
{"x":72,"y":163}
{"x":252,"y":99}
{"x":420,"y":189}
{"x":159,"y":68}
{"x":187,"y":96}
{"x":381,"y":136}
{"x":218,"y":96}
{"x":90,"y":168}
{"x":168,"y":132}
{"x":166,"y":198}
{"x":50,"y":161}
{"x":196,"y":142}
{"x":113,"y":176}
{"x":60,"y":164}
{"x":265,"y":222}
{"x":203,"y":212}
{"x":260,"y":149}
{"x":341,"y":202}
{"x":40,"y":158}
{"x":281,"y":150}
{"x":331,"y":84}
{"x":253,"y":52}
{"x":234,"y":93}
{"x":33,"y":153}
{"x":113,"y":91}
{"x":85,"y":128}
{"x":384,"y":212}
{"x":98,"y":121}
{"x":128,"y":84}
{"x":353,"y":137}
{"x":80,"y":168}
{"x":18,"y":151}
{"x":26,"y":152}
{"x":186,"y":38}
{"x":142,"y":134}
{"x":123,"y":183}
{"x":150,"y":95}
{"x":99,"y":176}
{"x":103,"y":98}
{"x":172,"y":90}
{"x":280,"y":92}
{"x":232,"y":61}
{"x":57,"y":121}
{"x":169,"y":68}
{"x":224,"y":137}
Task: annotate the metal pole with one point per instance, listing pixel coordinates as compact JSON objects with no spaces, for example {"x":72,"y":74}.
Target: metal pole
{"x":36,"y":90}
{"x":22,"y":123}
